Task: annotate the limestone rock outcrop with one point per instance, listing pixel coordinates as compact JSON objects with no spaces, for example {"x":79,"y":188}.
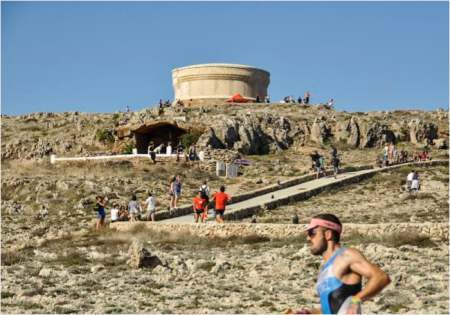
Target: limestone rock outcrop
{"x":422,"y":132}
{"x":140,"y":257}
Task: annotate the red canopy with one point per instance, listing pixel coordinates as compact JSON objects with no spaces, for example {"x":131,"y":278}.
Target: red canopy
{"x":237,"y":98}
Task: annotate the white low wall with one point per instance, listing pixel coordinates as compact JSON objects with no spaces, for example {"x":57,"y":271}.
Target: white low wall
{"x":54,"y":159}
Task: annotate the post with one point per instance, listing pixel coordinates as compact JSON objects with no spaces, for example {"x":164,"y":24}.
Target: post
{"x":52,"y":158}
{"x":135,"y":151}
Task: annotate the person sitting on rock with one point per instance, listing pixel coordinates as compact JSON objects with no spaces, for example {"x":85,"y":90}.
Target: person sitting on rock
{"x":115,"y":212}
{"x":123,"y":213}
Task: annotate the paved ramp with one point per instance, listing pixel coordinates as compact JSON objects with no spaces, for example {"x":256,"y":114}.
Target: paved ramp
{"x":274,"y":197}
{"x":297,"y":192}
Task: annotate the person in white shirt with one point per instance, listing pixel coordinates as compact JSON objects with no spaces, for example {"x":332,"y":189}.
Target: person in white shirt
{"x":409,"y":180}
{"x":115,"y":213}
{"x":169,"y":149}
{"x":150,"y":204}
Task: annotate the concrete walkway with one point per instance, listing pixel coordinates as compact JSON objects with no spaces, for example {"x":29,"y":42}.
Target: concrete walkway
{"x":295,"y":193}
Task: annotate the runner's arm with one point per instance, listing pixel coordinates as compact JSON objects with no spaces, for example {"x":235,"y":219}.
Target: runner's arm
{"x":377,"y":278}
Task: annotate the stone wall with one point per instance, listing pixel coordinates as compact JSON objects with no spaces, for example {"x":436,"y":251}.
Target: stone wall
{"x":435,"y":231}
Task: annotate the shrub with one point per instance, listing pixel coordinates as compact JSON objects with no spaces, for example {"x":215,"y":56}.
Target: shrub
{"x":190,"y":138}
{"x":105,"y":136}
{"x":128,"y":149}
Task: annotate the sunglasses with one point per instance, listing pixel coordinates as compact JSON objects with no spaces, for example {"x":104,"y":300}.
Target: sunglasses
{"x":312,"y":232}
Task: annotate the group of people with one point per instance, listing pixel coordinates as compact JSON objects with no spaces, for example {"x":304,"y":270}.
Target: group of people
{"x":167,"y":149}
{"x":318,"y":162}
{"x":133,"y":211}
{"x":393,"y":156}
{"x":200,"y":203}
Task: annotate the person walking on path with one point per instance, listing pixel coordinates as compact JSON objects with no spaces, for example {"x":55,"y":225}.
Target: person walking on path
{"x":205,"y":195}
{"x":174,"y":192}
{"x":306,"y":98}
{"x":150,"y":204}
{"x":339,"y":282}
{"x":221,"y":199}
{"x":101,"y":214}
{"x":198,"y":205}
{"x":335,"y":162}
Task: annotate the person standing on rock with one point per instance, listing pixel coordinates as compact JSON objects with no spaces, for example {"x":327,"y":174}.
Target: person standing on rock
{"x":134,"y":208}
{"x":339,"y":283}
{"x":100,"y":208}
{"x":198,"y":205}
{"x":150,"y":204}
{"x":221,"y":199}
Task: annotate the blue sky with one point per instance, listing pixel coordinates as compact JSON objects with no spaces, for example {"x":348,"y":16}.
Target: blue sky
{"x":102,"y":56}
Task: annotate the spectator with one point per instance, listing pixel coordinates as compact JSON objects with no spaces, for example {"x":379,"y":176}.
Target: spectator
{"x":299,"y":100}
{"x":193,"y":153}
{"x":335,"y":162}
{"x":100,"y":208}
{"x":221,"y":199}
{"x":128,"y":109}
{"x":179,"y":151}
{"x":205,"y":194}
{"x":306,"y":97}
{"x":409,"y":180}
{"x":258,"y":100}
{"x":267,"y":99}
{"x":175,"y":192}
{"x":150,"y":204}
{"x":333,"y":152}
{"x":415,"y":184}
{"x":151,"y":152}
{"x":198,"y":205}
{"x":316,"y":163}
{"x":123,"y":213}
{"x":115,"y":212}
{"x":331,"y":102}
{"x":169,"y":149}
{"x":161,"y":104}
{"x":322,"y":164}
{"x":134,"y":209}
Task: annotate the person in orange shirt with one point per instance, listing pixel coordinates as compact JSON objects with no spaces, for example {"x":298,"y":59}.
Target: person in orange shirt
{"x":198,"y":204}
{"x":221,"y":199}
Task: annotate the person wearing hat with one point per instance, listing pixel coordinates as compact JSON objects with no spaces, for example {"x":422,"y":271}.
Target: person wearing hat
{"x":339,"y":283}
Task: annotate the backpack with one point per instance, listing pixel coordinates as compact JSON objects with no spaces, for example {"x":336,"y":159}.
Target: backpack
{"x":205,"y":191}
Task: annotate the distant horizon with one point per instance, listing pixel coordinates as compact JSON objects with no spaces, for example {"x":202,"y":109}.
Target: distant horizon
{"x":99,"y":57}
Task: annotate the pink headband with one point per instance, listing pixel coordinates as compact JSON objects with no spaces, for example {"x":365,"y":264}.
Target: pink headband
{"x":328,"y":224}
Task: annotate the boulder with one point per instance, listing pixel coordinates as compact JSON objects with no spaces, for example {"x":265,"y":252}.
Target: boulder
{"x":440,"y":143}
{"x":375,"y":134}
{"x":140,"y":257}
{"x":422,"y":132}
{"x":319,"y":131}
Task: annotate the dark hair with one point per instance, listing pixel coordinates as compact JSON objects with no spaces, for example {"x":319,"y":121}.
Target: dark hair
{"x":133,"y":197}
{"x":150,"y":193}
{"x":332,"y":218}
{"x":222,"y":188}
{"x":173,"y":179}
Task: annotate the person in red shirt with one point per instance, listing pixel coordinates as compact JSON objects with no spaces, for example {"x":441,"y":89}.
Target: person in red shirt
{"x":198,"y":204}
{"x":221,"y":199}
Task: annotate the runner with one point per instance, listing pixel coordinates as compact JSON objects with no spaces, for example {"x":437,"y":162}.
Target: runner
{"x":339,"y":283}
{"x":221,"y":199}
{"x":198,"y":205}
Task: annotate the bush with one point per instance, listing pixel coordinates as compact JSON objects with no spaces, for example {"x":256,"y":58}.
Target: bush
{"x":190,"y":138}
{"x":128,"y":149}
{"x":105,"y":136}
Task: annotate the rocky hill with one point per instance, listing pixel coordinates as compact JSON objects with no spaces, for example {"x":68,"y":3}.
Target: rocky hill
{"x":248,"y":129}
